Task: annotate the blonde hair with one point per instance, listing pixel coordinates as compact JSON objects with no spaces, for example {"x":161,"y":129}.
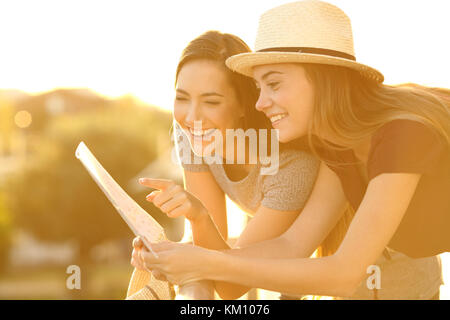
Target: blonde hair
{"x":348,"y":109}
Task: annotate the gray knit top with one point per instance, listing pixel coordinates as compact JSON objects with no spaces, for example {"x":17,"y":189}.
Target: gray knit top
{"x":286,"y":190}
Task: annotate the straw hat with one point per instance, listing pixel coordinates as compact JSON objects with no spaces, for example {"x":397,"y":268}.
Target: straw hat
{"x":308,"y":31}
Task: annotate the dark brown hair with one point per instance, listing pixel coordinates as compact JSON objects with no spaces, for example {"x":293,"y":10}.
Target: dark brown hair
{"x":217,"y":46}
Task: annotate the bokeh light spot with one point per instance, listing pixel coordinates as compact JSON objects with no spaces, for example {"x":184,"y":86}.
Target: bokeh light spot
{"x":23,"y":119}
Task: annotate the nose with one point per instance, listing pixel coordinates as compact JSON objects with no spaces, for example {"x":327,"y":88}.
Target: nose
{"x":193,"y":114}
{"x":263,"y":101}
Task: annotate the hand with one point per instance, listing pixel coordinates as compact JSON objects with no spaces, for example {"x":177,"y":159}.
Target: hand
{"x":138,"y":262}
{"x":180,"y":263}
{"x":173,"y":200}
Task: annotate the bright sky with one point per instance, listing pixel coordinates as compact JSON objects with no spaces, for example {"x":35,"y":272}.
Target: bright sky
{"x":119,"y":47}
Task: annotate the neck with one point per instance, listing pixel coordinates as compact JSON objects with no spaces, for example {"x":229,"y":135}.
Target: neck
{"x":238,"y":157}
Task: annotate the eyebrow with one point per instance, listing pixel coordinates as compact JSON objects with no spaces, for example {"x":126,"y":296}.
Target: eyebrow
{"x":207,"y":94}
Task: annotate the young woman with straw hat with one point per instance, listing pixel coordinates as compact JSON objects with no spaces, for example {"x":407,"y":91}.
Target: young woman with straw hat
{"x":384,"y":149}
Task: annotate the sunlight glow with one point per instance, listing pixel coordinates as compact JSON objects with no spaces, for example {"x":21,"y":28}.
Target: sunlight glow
{"x":132,"y":47}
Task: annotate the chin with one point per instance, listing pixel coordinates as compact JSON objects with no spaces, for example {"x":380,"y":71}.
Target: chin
{"x":203,"y":150}
{"x":285,"y":137}
{"x":292,"y":134}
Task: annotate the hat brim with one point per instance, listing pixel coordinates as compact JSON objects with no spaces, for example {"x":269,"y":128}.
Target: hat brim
{"x":245,"y":62}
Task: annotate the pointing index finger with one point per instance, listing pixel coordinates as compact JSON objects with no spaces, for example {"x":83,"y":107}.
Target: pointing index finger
{"x":160,"y":184}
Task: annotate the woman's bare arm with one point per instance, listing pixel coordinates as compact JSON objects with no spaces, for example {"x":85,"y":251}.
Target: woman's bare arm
{"x":386,"y":200}
{"x":272,"y":233}
{"x":211,"y":230}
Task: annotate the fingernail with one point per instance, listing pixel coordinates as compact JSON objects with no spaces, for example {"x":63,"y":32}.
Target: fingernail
{"x":141,"y":180}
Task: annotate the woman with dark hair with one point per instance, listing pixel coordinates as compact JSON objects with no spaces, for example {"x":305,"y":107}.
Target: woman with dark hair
{"x":383,"y":149}
{"x":212,"y":102}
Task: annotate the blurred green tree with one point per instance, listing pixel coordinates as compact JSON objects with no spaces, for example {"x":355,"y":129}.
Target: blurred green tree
{"x":55,"y":198}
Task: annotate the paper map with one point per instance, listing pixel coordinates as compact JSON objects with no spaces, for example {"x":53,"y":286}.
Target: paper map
{"x":140,"y":222}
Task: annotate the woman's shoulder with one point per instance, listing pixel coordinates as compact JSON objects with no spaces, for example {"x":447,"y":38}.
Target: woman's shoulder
{"x":290,"y":156}
{"x":289,"y":188}
{"x":407,"y":133}
{"x":404,"y":145}
{"x":405,"y":129}
{"x":294,"y":162}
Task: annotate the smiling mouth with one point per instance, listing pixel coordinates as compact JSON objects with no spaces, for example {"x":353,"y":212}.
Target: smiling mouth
{"x":278,"y":117}
{"x":201,"y":134}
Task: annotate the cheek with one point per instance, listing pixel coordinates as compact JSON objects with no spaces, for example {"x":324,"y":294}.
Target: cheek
{"x":237,"y":115}
{"x":303,"y":114}
{"x":234,"y":121}
{"x":179,"y":113}
{"x":301,"y":118}
{"x":301,"y":103}
{"x":225,"y":118}
{"x":300,"y":115}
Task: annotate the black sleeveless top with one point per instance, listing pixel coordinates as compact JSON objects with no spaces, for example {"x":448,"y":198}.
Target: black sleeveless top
{"x":406,"y":146}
